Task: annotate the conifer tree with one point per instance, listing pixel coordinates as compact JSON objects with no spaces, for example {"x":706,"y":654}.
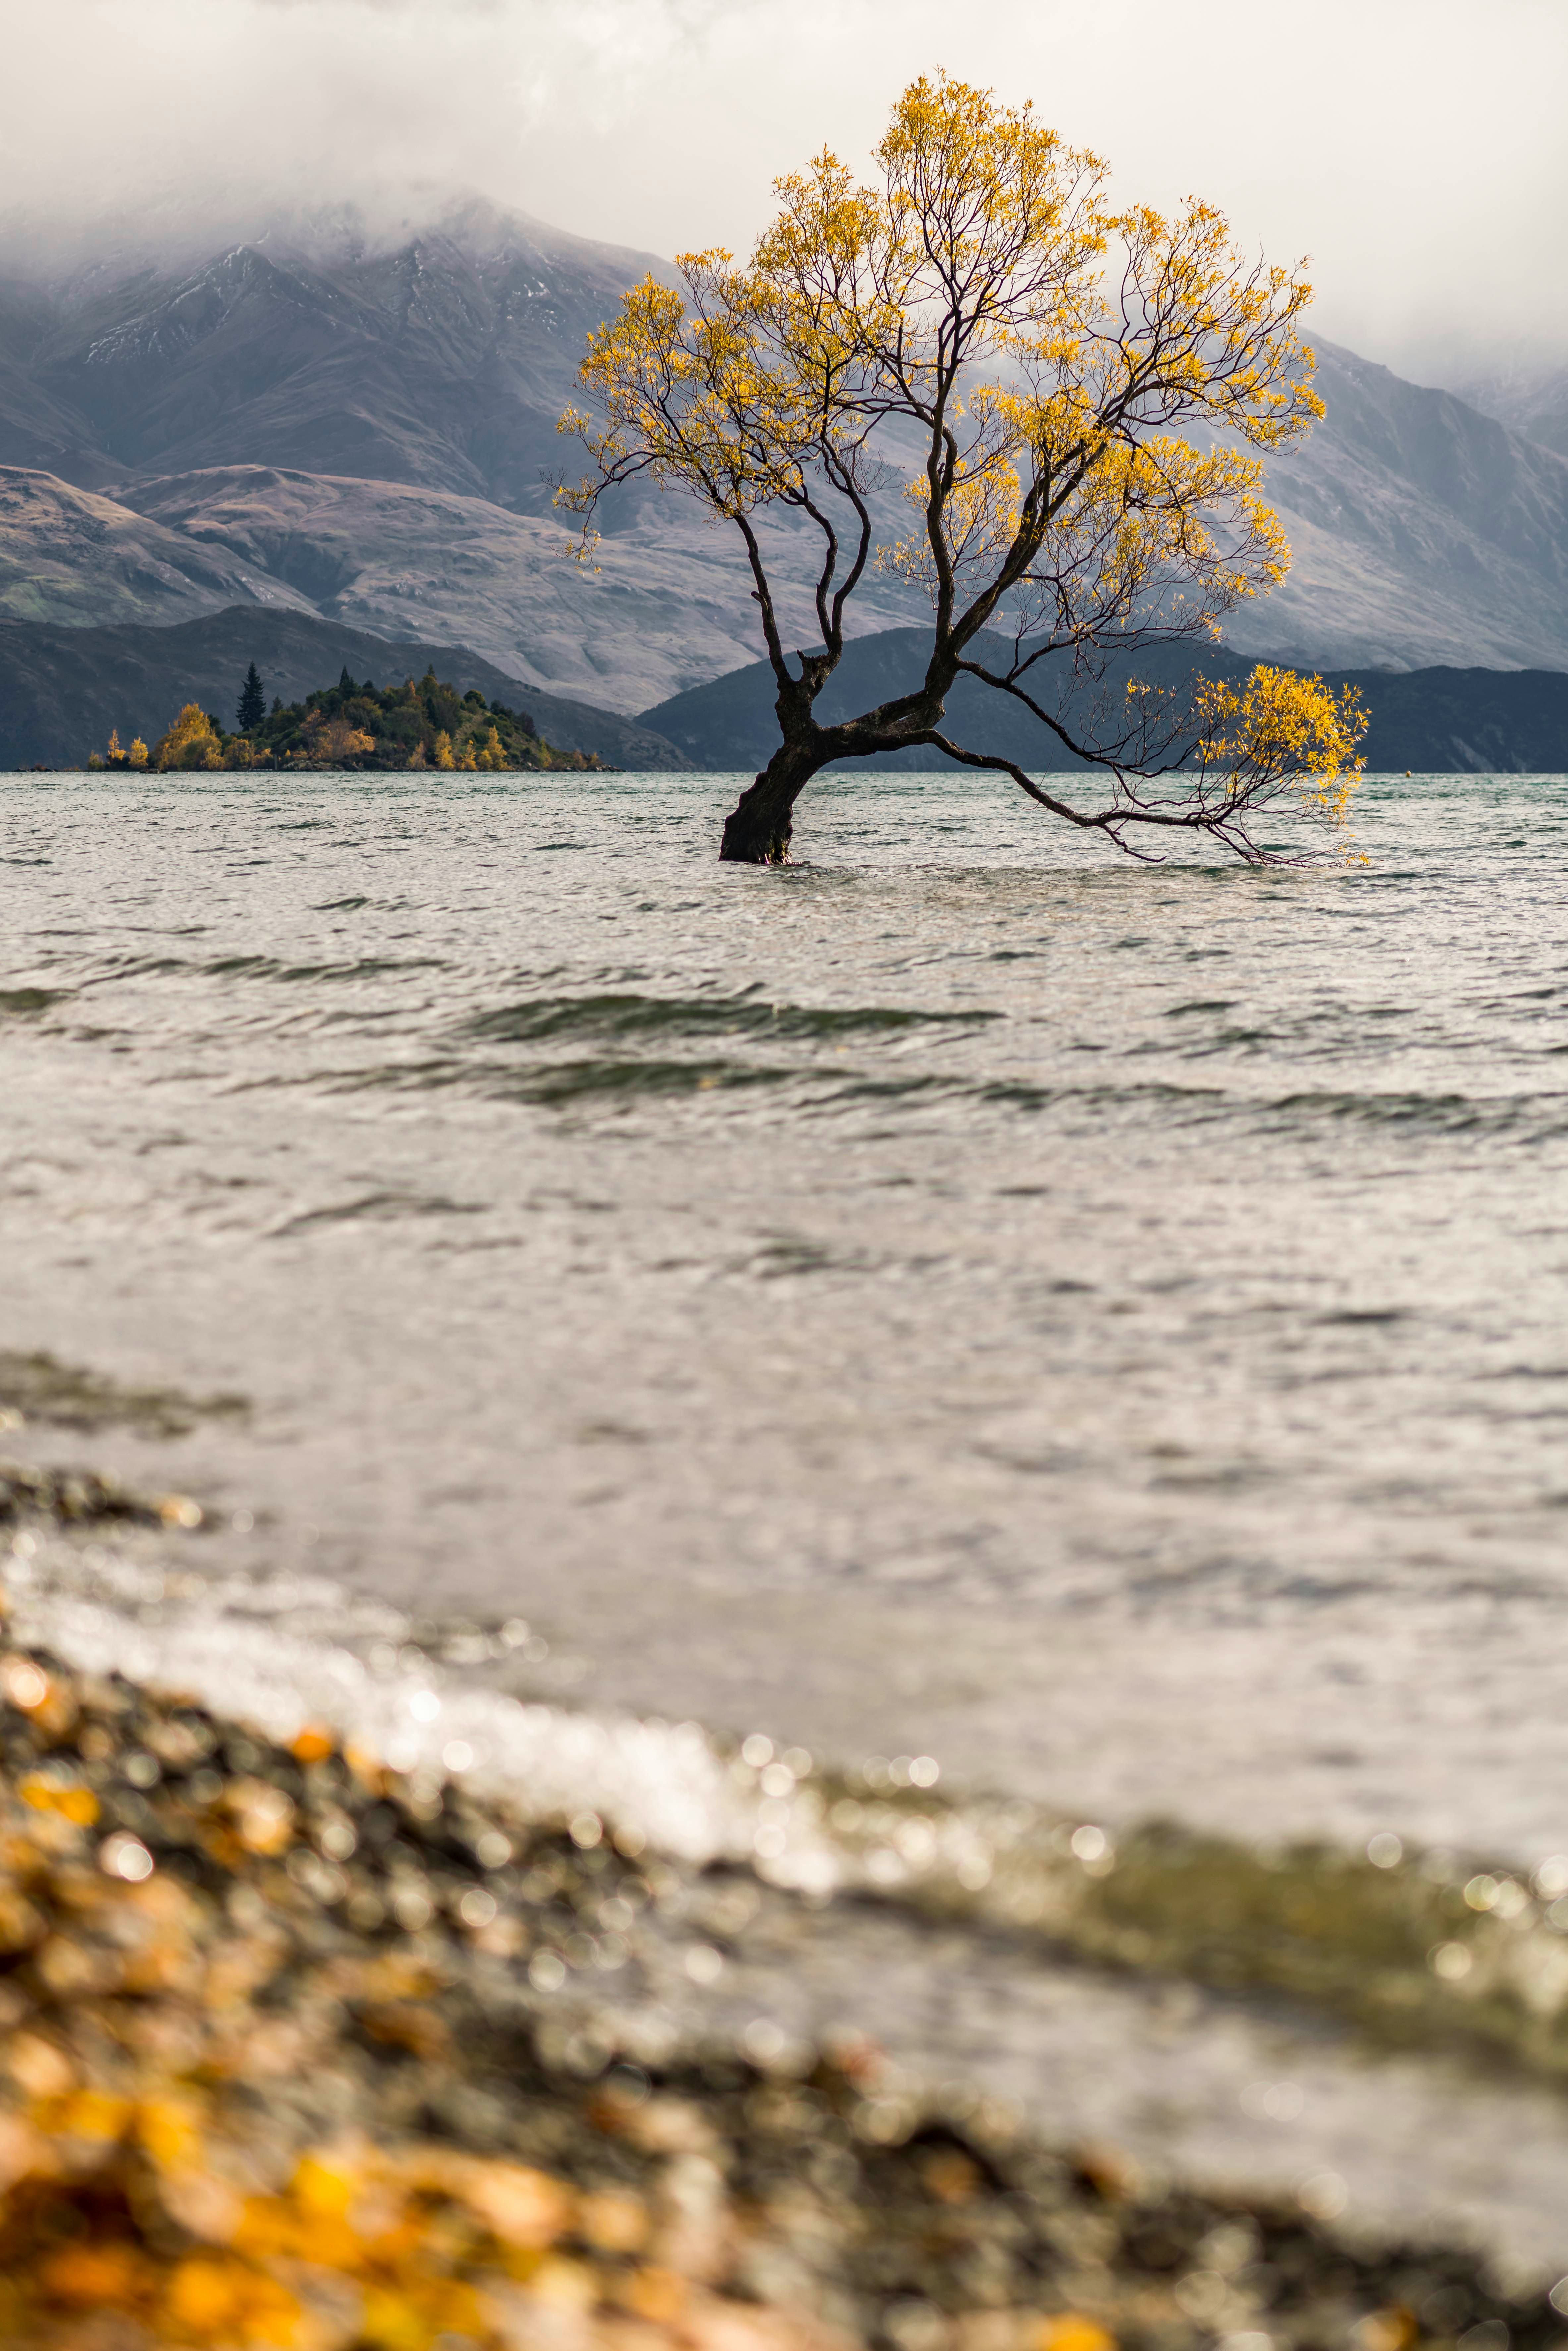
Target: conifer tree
{"x":252,"y":702}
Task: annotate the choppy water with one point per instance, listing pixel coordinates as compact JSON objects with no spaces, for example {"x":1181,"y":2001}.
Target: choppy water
{"x":965,"y":1296}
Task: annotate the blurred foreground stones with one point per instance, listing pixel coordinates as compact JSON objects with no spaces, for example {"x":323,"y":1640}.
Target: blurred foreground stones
{"x":296,"y":2052}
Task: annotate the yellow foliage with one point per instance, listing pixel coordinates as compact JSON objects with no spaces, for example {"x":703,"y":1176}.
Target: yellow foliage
{"x":1053,"y":483}
{"x":117,"y":2277}
{"x":168,"y":2128}
{"x":76,"y":1803}
{"x":1283,"y":730}
{"x":490,"y":754}
{"x":191,"y":742}
{"x":1071,"y":2331}
{"x":444,"y":758}
{"x":324,"y":2190}
{"x":334,"y":741}
{"x":205,"y":2295}
{"x":138,"y":753}
{"x":90,"y":2114}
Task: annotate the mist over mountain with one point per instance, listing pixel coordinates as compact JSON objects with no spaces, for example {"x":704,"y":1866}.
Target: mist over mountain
{"x":442,"y":362}
{"x":1529,"y":396}
{"x":362,"y":425}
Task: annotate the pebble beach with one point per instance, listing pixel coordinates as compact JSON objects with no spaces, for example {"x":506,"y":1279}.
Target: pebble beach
{"x":298,"y":2051}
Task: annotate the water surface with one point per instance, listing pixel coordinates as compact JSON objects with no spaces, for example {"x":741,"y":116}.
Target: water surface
{"x":1102,"y":1327}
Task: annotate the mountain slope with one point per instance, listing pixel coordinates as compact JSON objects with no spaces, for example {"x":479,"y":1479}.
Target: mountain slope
{"x":664,"y":603}
{"x":1421,"y":532}
{"x":79,"y":559}
{"x":1424,"y":531}
{"x":62,"y":689}
{"x":1530,"y":397}
{"x":444,"y":364}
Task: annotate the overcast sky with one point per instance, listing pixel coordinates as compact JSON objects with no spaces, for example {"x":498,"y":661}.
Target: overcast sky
{"x":1416,"y":149}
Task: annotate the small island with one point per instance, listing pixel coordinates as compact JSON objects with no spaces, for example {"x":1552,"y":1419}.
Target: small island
{"x":424,"y":723}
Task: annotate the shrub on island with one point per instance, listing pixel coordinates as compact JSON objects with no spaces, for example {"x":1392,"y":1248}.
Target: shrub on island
{"x":422,"y":724}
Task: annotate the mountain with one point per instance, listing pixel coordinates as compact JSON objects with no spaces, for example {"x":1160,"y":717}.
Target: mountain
{"x":62,"y":689}
{"x":1430,"y":721}
{"x":78,"y":560}
{"x":369,"y":432}
{"x":444,"y":363}
{"x":664,"y":602}
{"x":374,"y":433}
{"x":1422,"y":532}
{"x":1529,"y":396}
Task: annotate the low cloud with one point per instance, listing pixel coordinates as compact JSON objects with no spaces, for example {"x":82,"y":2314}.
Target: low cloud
{"x":1414,"y":149}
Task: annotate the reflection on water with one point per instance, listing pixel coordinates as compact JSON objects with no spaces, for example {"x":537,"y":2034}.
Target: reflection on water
{"x":965,"y":1296}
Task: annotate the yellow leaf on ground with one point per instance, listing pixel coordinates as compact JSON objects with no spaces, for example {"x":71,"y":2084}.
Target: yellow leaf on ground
{"x":1071,"y":2331}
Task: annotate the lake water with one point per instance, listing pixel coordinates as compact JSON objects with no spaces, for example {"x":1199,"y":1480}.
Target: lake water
{"x":967,"y":1296}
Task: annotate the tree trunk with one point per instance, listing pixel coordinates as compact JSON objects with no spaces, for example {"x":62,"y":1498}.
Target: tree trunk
{"x":757,"y":830}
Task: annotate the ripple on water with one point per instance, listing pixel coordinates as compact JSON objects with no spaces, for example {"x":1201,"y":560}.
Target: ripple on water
{"x":1099,"y":1325}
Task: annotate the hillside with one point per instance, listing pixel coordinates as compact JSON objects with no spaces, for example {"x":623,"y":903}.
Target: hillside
{"x":237,"y":404}
{"x":1422,"y":533}
{"x":1431,"y":721}
{"x":82,"y":560}
{"x":444,"y":363}
{"x":1529,"y":396}
{"x":663,"y":605}
{"x":62,"y":690}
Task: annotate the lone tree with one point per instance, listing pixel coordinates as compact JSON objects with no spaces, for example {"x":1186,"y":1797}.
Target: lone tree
{"x":1081,"y":389}
{"x":252,"y":707}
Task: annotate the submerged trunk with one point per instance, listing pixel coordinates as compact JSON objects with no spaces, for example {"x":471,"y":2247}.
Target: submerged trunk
{"x":757,"y":830}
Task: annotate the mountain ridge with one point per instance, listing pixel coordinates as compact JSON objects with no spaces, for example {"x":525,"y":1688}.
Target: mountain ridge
{"x":62,"y":689}
{"x":1438,"y":508}
{"x":233,"y":401}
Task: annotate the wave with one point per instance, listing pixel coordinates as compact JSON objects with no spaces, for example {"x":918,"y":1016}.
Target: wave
{"x":1410,"y":1950}
{"x":748,"y":1014}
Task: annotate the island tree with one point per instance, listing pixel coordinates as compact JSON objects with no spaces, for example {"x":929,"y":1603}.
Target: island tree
{"x":1083,"y":397}
{"x":419,"y":725}
{"x":252,"y":707}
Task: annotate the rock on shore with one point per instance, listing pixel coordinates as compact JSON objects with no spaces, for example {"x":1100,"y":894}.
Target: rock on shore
{"x":298,"y":2051}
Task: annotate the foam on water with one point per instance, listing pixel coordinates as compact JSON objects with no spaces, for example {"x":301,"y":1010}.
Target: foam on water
{"x":970,"y":1965}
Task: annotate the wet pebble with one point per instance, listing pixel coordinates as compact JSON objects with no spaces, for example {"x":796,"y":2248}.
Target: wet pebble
{"x":296,"y":2051}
